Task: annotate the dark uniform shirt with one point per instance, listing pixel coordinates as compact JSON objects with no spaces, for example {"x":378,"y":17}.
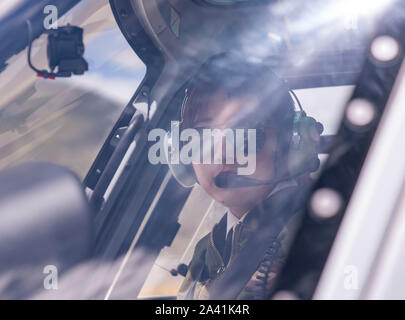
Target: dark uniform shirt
{"x":213,"y":255}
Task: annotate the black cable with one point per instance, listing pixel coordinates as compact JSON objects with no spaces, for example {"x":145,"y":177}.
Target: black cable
{"x":44,"y":73}
{"x":297,"y":100}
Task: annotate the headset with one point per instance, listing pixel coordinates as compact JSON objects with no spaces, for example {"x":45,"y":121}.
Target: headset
{"x":301,"y":156}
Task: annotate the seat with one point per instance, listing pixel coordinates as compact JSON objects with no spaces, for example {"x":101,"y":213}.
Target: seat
{"x":45,"y":220}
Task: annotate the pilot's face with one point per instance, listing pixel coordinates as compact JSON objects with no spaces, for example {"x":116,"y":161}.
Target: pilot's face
{"x":222,"y":112}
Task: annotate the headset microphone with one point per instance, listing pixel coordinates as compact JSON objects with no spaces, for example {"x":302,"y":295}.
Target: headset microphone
{"x":227,"y":180}
{"x":234,"y":181}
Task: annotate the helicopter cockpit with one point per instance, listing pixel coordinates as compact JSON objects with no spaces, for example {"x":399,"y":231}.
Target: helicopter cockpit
{"x":339,"y":62}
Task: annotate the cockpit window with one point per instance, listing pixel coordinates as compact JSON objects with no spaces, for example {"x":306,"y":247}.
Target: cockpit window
{"x":66,"y":121}
{"x":196,"y":213}
{"x":290,"y":69}
{"x":200,"y":212}
{"x":209,"y":127}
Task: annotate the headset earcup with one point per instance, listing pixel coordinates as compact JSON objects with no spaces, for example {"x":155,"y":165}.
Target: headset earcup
{"x":303,"y":154}
{"x":184,"y":174}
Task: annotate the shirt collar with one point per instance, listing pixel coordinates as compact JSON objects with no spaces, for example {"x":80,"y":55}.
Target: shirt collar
{"x":232,"y":221}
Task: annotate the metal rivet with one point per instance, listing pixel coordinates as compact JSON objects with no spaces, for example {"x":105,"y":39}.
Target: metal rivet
{"x":360,"y":112}
{"x":325,"y":203}
{"x":385,"y":48}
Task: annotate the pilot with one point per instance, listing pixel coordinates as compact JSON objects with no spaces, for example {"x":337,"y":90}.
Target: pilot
{"x":242,"y":256}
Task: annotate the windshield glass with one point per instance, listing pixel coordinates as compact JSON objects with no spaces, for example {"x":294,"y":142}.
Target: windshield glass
{"x":287,"y":75}
{"x":201,"y":134}
{"x":200,"y":212}
{"x":66,"y":121}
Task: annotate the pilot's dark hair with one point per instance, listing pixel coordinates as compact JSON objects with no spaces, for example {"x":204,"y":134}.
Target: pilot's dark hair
{"x":238,"y":78}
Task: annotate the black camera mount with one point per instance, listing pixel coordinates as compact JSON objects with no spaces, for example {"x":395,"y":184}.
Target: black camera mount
{"x":65,"y":52}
